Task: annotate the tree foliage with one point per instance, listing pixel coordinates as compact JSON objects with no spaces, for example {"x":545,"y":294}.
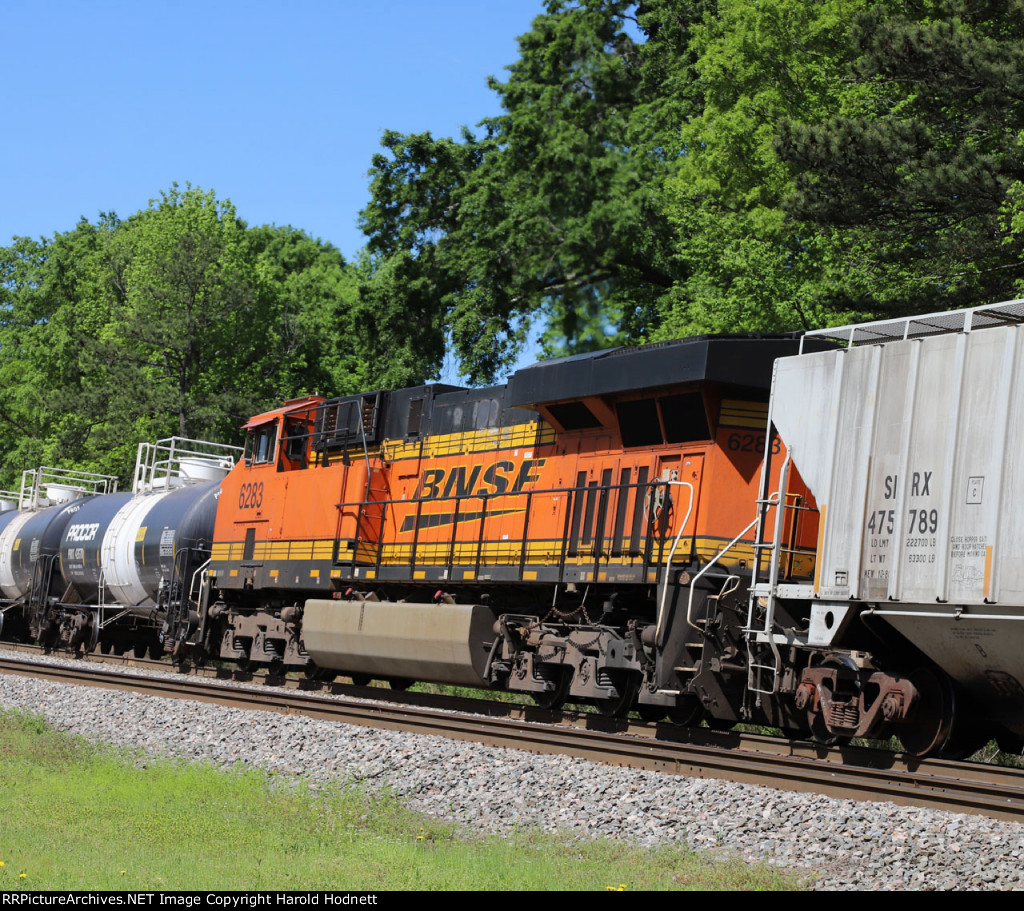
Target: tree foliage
{"x":177,"y":320}
{"x":673,"y":166}
{"x":751,"y":267}
{"x":554,"y":210}
{"x":919,"y":179}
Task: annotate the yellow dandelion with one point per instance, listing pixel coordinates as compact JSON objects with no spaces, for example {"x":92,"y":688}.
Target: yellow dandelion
{"x":123,"y":872}
{"x":22,"y":875}
{"x":420,"y":837}
{"x":2,"y":864}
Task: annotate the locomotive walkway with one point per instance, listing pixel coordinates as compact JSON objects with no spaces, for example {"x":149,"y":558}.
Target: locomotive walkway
{"x":846,"y":772}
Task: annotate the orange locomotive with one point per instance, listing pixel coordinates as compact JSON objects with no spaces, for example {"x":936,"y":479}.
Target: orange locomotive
{"x":553,"y":535}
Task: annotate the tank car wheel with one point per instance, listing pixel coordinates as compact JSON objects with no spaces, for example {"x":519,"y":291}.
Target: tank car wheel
{"x":361,"y":679}
{"x":929,"y":731}
{"x":140,"y":649}
{"x":106,"y":647}
{"x":688,"y":711}
{"x":92,"y":636}
{"x":962,"y":744}
{"x":555,"y":698}
{"x":650,"y":713}
{"x":400,"y":683}
{"x":628,"y":686}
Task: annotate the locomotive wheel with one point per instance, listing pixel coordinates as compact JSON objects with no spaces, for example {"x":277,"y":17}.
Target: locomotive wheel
{"x":555,"y":697}
{"x":361,"y":679}
{"x":106,"y":647}
{"x":628,"y":686}
{"x":400,"y":683}
{"x":650,"y":713}
{"x":928,"y":732}
{"x":688,"y":711}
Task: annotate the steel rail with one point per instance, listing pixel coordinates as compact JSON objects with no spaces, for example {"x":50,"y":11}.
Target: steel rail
{"x":771,"y":762}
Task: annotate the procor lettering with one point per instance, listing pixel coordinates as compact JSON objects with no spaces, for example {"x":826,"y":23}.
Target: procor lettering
{"x":84,"y":531}
{"x":477,"y":481}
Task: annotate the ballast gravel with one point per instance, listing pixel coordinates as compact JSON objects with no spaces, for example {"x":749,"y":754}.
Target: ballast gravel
{"x":834,"y":844}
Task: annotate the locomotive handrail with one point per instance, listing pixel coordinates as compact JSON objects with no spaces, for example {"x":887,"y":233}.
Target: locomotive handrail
{"x":485,"y":496}
{"x":593,"y":536}
{"x":671,"y":554}
{"x":715,"y":559}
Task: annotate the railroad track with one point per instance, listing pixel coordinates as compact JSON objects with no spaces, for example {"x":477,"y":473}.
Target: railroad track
{"x":847,"y":772}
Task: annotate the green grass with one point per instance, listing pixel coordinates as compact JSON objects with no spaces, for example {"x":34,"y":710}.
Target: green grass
{"x":77,"y":816}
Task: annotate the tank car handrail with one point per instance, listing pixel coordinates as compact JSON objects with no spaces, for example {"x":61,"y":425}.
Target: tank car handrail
{"x":162,"y":460}
{"x":82,"y":483}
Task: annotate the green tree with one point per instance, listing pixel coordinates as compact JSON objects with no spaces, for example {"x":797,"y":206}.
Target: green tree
{"x":554,"y":212}
{"x":751,"y":266}
{"x":177,"y":320}
{"x":918,"y":177}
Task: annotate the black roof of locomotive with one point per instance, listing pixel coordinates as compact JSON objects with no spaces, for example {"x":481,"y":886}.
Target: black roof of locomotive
{"x":733,"y":360}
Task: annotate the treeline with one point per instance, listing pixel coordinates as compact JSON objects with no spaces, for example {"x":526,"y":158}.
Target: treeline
{"x":180,"y":319}
{"x":678,"y":166}
{"x":660,"y":169}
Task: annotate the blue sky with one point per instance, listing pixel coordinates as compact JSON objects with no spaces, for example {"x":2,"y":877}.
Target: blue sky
{"x":278,"y":107}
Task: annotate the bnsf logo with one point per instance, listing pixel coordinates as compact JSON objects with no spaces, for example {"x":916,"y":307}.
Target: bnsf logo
{"x":476,"y":481}
{"x":84,"y":532}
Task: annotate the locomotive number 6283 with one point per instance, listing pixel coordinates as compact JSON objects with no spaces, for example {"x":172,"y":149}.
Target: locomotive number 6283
{"x":251,"y":496}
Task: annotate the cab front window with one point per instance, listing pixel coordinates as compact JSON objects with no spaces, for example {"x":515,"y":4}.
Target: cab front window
{"x":262,"y":443}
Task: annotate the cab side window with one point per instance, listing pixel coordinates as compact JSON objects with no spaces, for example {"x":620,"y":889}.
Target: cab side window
{"x":263,"y":440}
